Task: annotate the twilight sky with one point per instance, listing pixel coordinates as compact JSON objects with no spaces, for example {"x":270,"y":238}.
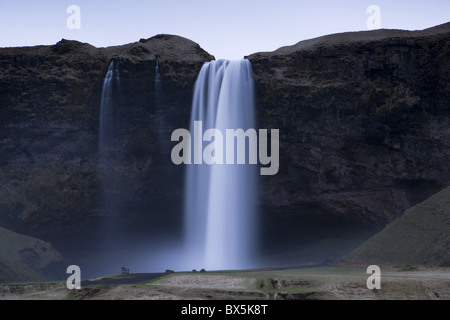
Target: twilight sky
{"x":226,"y":29}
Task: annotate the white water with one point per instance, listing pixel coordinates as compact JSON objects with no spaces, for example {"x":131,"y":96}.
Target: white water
{"x":109,"y":151}
{"x":158,"y":105}
{"x":220,"y":199}
{"x":106,"y":127}
{"x":157,"y":78}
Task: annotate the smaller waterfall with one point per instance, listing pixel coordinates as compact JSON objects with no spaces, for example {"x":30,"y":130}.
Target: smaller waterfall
{"x":158,"y":89}
{"x":108,"y":152}
{"x":157,"y":78}
{"x":107,"y":143}
{"x":108,"y":148}
{"x":160,"y":123}
{"x":107,"y":119}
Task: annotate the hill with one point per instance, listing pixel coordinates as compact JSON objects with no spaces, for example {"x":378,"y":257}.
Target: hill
{"x":420,"y":237}
{"x":24,"y":259}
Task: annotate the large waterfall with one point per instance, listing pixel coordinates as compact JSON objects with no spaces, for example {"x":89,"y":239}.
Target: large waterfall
{"x":220,"y":199}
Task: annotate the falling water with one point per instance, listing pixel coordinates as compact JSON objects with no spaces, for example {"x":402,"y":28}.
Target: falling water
{"x":109,"y":92}
{"x":220,"y":206}
{"x":158,"y":104}
{"x":109,"y":153}
{"x":160,"y":122}
{"x":157,"y":77}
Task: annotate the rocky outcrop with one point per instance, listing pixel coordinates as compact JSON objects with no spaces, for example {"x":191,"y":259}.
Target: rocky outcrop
{"x":24,"y":259}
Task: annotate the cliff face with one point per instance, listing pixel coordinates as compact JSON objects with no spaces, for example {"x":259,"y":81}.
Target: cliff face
{"x":364,"y":123}
{"x":50,"y":102}
{"x":363,"y":118}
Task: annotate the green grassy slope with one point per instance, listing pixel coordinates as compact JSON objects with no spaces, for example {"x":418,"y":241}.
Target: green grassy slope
{"x":24,"y":258}
{"x":420,"y":237}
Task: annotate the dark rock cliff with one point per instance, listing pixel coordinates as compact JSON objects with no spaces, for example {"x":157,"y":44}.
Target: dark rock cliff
{"x":50,"y":102}
{"x":363,"y":118}
{"x":364,"y":123}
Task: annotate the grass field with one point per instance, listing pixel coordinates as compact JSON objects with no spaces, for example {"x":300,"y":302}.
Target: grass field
{"x":335,"y":282}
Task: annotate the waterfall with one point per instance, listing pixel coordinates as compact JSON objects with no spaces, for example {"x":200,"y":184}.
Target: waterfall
{"x":160,"y":123}
{"x":157,"y":78}
{"x":158,"y":103}
{"x":109,"y":151}
{"x":220,"y":199}
{"x":109,"y":92}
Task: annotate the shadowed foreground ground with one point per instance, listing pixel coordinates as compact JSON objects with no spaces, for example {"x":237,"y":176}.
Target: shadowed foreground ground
{"x":336,"y":282}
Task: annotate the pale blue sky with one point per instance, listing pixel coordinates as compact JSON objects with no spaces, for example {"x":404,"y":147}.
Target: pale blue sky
{"x":226,"y":29}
